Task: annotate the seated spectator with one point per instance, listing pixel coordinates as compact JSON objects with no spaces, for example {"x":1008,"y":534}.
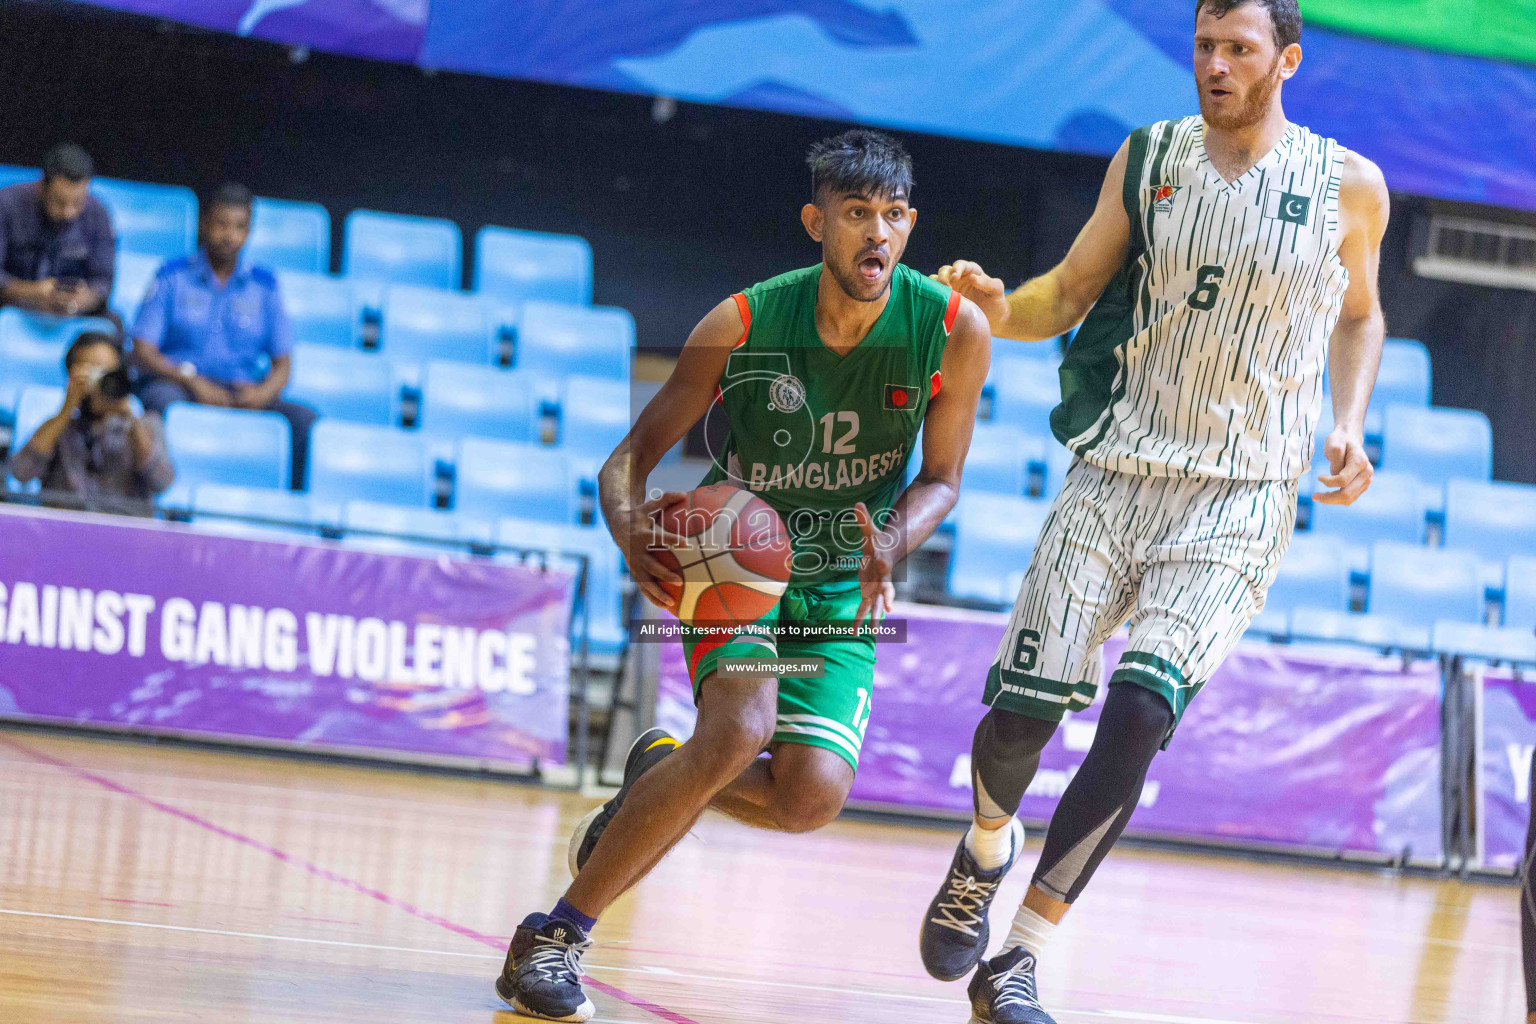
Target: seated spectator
{"x":212,"y":329}
{"x":95,"y":446}
{"x":57,"y":252}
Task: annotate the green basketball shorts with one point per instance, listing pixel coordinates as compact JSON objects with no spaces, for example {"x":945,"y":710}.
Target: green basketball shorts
{"x":830,"y":712}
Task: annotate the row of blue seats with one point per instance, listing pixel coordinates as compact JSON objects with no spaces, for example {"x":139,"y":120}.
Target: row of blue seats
{"x":995,"y":535}
{"x":160,"y":221}
{"x":558,"y":341}
{"x":395,"y":465}
{"x":263,"y":513}
{"x":433,"y":322}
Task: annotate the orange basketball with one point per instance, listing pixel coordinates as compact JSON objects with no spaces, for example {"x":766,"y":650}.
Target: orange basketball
{"x":736,"y":562}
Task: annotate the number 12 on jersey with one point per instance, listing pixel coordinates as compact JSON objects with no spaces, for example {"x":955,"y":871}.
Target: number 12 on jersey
{"x":844,"y":444}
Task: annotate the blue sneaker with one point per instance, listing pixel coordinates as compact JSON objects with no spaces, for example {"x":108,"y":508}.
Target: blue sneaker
{"x":648,"y":750}
{"x":542,"y":975}
{"x":1003,"y":991}
{"x":955,"y":930}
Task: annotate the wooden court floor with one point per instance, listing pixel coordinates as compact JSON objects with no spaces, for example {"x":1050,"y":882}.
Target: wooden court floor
{"x":144,"y":883}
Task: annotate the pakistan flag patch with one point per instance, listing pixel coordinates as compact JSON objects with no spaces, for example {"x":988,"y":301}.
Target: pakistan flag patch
{"x":1287,"y":206}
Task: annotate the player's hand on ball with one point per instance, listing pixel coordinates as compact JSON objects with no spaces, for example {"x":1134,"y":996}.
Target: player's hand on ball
{"x":976,"y":284}
{"x":1351,"y":470}
{"x":876,"y":592}
{"x":636,"y":531}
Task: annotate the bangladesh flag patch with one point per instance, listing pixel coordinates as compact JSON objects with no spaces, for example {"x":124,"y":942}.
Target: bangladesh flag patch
{"x":900,"y":398}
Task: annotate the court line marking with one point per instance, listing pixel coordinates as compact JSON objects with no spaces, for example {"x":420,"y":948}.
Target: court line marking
{"x":1152,"y":1018}
{"x":672,"y":1017}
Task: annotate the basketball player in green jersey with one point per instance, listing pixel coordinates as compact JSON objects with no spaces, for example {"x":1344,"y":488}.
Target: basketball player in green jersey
{"x":1231,"y":258}
{"x":824,"y":376}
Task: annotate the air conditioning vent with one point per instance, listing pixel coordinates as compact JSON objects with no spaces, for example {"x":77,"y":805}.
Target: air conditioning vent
{"x":1479,"y":252}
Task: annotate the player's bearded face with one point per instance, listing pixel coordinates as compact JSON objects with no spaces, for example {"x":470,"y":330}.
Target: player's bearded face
{"x":1246,"y":105}
{"x":862,"y":240}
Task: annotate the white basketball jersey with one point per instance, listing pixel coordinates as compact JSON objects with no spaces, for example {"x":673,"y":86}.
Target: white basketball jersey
{"x":1205,"y":355}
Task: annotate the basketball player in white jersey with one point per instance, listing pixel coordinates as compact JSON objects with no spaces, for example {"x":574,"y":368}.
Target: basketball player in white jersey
{"x":1232,"y":256}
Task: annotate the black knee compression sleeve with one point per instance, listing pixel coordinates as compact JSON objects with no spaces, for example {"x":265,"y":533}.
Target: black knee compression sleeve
{"x":1528,"y":906}
{"x":1004,"y":756}
{"x":1102,"y":795}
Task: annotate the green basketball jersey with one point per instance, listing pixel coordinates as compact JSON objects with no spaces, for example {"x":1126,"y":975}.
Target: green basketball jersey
{"x":812,"y":432}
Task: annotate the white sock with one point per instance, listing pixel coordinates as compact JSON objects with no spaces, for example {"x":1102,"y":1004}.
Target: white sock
{"x":991,"y":848}
{"x":1029,"y":930}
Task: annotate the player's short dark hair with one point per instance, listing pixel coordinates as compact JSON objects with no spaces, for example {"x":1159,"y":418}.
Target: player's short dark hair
{"x":68,"y":161}
{"x":229,"y":194}
{"x":1284,"y":16}
{"x":860,"y":162}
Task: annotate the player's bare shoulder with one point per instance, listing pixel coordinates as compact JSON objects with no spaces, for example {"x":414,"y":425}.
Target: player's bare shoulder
{"x":1364,"y":203}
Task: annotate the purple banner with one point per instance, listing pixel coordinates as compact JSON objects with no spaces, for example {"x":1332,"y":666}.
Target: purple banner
{"x":1324,"y":749}
{"x":1506,"y":735}
{"x":157,"y":627}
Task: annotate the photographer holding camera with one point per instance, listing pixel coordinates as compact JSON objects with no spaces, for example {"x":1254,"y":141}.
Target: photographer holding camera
{"x":95,"y":446}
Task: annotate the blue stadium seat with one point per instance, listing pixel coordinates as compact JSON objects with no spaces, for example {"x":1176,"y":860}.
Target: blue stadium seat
{"x":1058,"y":460}
{"x":156,"y":220}
{"x":1437,"y":444}
{"x":605,"y":583}
{"x":999,"y":459}
{"x":32,"y":349}
{"x":323,"y":310}
{"x":1520,"y":592}
{"x":1404,"y":376}
{"x":342,"y":384}
{"x":38,"y":403}
{"x":397,"y":249}
{"x":1049,"y":350}
{"x":1023,"y":391}
{"x":401,"y":530}
{"x":1418,"y":586}
{"x":994,"y":537}
{"x":208,"y":444}
{"x":130,"y":284}
{"x":557,"y":339}
{"x":594,"y":416}
{"x":460,"y":400}
{"x":1393,"y":508}
{"x":522,"y":265}
{"x":1371,"y":630}
{"x":431,"y":323}
{"x":10,"y":175}
{"x":1315,"y":573}
{"x":1484,"y":643}
{"x":274,"y":506}
{"x":1494,"y":520}
{"x":362,"y":462}
{"x":289,"y":236}
{"x":505,"y":478}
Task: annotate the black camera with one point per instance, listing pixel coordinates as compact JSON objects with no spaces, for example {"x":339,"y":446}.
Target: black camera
{"x":113,"y":385}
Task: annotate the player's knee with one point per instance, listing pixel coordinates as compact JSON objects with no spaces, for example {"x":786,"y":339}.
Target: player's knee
{"x":730,"y":744}
{"x":1134,"y":718}
{"x":809,"y":806}
{"x":1005,"y":736}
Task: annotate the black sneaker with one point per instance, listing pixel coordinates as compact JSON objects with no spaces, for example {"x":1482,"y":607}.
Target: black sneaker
{"x":1003,"y":991}
{"x":644,"y":754}
{"x":542,"y":976}
{"x":955,"y":930}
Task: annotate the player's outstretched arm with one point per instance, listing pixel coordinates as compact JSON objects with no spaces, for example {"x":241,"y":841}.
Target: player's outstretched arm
{"x":1056,"y":301}
{"x":946,"y":439}
{"x":1354,"y":352}
{"x":682,"y":400}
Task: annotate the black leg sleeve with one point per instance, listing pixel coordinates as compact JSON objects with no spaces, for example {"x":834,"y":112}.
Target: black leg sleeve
{"x":1005,"y":754}
{"x":1102,"y":796}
